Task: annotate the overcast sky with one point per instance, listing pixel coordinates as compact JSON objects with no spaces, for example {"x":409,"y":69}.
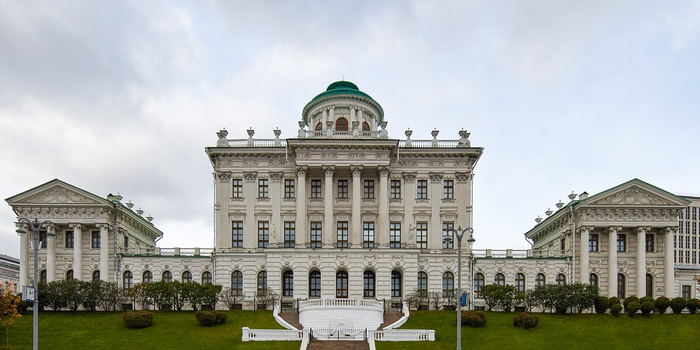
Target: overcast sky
{"x":123,"y":96}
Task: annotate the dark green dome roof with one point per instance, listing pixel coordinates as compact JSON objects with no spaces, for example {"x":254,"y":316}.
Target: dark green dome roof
{"x":340,"y":88}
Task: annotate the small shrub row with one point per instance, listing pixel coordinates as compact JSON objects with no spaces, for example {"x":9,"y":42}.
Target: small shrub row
{"x":211,"y":318}
{"x":475,"y":320}
{"x":525,"y":320}
{"x":138,"y":319}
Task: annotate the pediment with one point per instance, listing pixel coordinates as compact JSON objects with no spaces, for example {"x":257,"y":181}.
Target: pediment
{"x":636,"y":193}
{"x":55,"y":192}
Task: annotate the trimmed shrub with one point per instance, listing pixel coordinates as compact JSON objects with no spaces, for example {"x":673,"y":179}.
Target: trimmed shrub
{"x":677,"y":305}
{"x":517,"y":321}
{"x":206,"y":318}
{"x":614,"y":300}
{"x":221,"y":317}
{"x":615,"y":310}
{"x":474,"y":320}
{"x":138,"y":319}
{"x":662,"y":303}
{"x":647,"y":307}
{"x":632,"y":308}
{"x":525,"y":320}
{"x":630,"y":299}
{"x":643,"y":300}
{"x":602,"y":304}
{"x":693,"y":305}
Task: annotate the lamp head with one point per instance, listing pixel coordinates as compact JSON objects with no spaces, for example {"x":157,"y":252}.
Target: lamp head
{"x":21,"y":231}
{"x":50,"y":232}
{"x":447,"y":237}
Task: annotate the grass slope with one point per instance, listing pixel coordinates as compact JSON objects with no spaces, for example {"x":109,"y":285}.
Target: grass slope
{"x":577,"y":331}
{"x":170,"y":330}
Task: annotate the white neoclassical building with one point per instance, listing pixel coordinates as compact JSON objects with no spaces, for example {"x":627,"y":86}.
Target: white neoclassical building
{"x":344,"y":211}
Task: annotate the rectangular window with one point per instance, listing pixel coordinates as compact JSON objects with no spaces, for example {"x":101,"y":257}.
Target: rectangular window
{"x":593,"y":242}
{"x":263,"y":191}
{"x":126,"y":241}
{"x":395,"y":189}
{"x":369,"y":189}
{"x":316,"y":188}
{"x":448,"y":230}
{"x":685,"y":292}
{"x":448,"y":189}
{"x":237,"y":234}
{"x":42,"y":239}
{"x":368,"y":235}
{"x":562,"y":245}
{"x":69,"y":239}
{"x":422,"y":189}
{"x":342,"y":234}
{"x":289,"y":189}
{"x":621,"y":242}
{"x":316,"y":234}
{"x":649,"y":242}
{"x":422,"y":235}
{"x":342,"y":188}
{"x":687,"y":242}
{"x":695,"y":213}
{"x":263,"y":234}
{"x":395,"y":235}
{"x":289,"y":234}
{"x":237,"y":188}
{"x":95,"y":239}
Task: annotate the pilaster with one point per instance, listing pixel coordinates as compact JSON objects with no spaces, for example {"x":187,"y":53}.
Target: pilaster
{"x":328,"y":199}
{"x":356,"y":224}
{"x":301,"y":201}
{"x":77,"y":251}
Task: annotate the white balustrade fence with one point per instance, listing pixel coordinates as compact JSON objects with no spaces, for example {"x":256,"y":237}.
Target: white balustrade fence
{"x":403,"y":335}
{"x":339,"y":334}
{"x":272,"y":334}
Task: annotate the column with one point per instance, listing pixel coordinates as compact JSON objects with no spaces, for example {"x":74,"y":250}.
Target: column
{"x":669,"y":278}
{"x":353,"y":110}
{"x":356,"y":224}
{"x":463,"y":200}
{"x":641,"y":262}
{"x":223,"y":193}
{"x":359,"y":115}
{"x":612,"y":261}
{"x":104,"y":253}
{"x":276,"y":225}
{"x":24,"y":269}
{"x":382,"y":232}
{"x":77,"y":251}
{"x":300,"y":225}
{"x":408,"y":234}
{"x":50,"y":258}
{"x":435,"y":196}
{"x":323,"y":121}
{"x":250,"y":228}
{"x":329,"y":218}
{"x":584,"y":262}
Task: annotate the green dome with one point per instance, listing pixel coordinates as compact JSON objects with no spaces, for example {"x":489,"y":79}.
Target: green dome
{"x":341,"y":88}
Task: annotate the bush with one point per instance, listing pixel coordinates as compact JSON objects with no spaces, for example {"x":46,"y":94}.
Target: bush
{"x":614,"y":300}
{"x":206,"y":318}
{"x":632,"y":308}
{"x":677,"y":305}
{"x":525,"y":320}
{"x":647,"y":307}
{"x":138,"y":319}
{"x":643,"y":300}
{"x":615,"y":310}
{"x":474,"y":320}
{"x":692,"y":305}
{"x":662,"y":303}
{"x":220,"y":317}
{"x":630,"y":299}
{"x":602,"y":304}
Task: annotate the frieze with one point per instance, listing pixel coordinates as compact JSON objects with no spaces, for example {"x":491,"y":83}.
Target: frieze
{"x":253,"y":162}
{"x":220,"y":162}
{"x":277,"y":162}
{"x":632,"y":196}
{"x":356,"y":155}
{"x":408,"y":163}
{"x":461,"y":163}
{"x":62,"y":196}
{"x":436,"y":163}
{"x":329,"y":155}
{"x":304,"y":155}
{"x":382,"y":155}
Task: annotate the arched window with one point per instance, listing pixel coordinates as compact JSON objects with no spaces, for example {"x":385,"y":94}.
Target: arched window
{"x":288,"y":284}
{"x":365,"y":126}
{"x":593,"y":279}
{"x":128,"y":280}
{"x":42,"y":276}
{"x":650,"y":285}
{"x":206,"y":277}
{"x":237,"y":283}
{"x":262,"y":282}
{"x":520,"y":283}
{"x":368,"y":284}
{"x":561,"y":279}
{"x":315,"y":284}
{"x":621,"y":287}
{"x":448,"y":284}
{"x":341,"y":124}
{"x":69,"y":275}
{"x":319,"y":126}
{"x":186,"y":277}
{"x":147,"y":277}
{"x":96,"y":275}
{"x":540,"y":280}
{"x":341,"y":284}
{"x":422,"y":283}
{"x":396,"y":284}
{"x":479,"y":281}
{"x":499,"y":279}
{"x":167,"y":276}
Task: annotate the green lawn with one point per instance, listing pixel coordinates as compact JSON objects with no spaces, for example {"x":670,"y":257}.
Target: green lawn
{"x":557,"y":332}
{"x":170,"y":330}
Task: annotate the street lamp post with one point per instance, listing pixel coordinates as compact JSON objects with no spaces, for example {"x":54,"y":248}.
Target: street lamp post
{"x":35,"y":226}
{"x":447,"y":238}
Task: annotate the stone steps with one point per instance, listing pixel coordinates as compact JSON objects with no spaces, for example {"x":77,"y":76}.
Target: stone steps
{"x":389,"y":318}
{"x":291,"y":318}
{"x":338,"y":345}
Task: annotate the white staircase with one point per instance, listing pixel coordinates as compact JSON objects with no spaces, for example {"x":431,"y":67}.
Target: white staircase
{"x":341,"y":314}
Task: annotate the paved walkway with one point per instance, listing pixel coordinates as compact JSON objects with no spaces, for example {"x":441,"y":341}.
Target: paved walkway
{"x":338,"y":345}
{"x":389,"y":318}
{"x":291,"y":318}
